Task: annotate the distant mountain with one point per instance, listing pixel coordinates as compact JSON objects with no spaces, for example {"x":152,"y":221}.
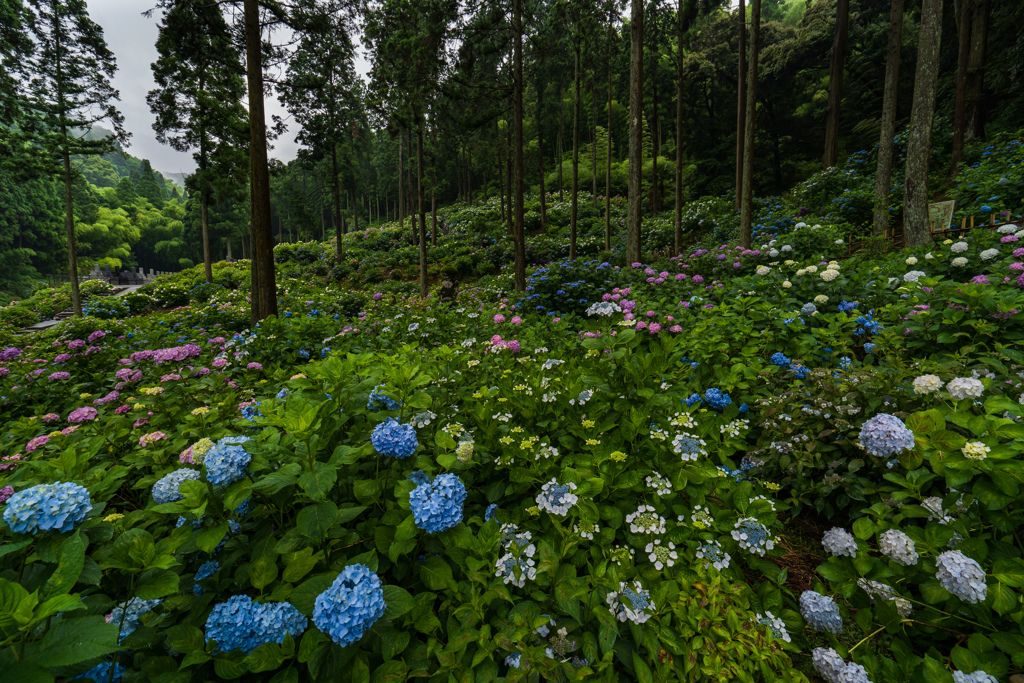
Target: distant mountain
{"x":177,"y":178}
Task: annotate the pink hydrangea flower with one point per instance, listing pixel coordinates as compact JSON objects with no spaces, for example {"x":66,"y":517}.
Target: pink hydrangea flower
{"x":186,"y":456}
{"x":98,"y":334}
{"x":675,"y":329}
{"x":9,"y":461}
{"x":37,"y":443}
{"x":121,"y":410}
{"x":5,"y":493}
{"x":76,"y":344}
{"x":201,"y":372}
{"x":641,"y":326}
{"x":219,"y":362}
{"x":499,"y":318}
{"x":59,"y":375}
{"x":84,"y":414}
{"x":254,"y":366}
{"x":516,"y":320}
{"x":69,"y":430}
{"x":141,"y":422}
{"x":50,"y":417}
{"x":655,"y":328}
{"x":697,"y":279}
{"x":152,"y":437}
{"x":62,"y":358}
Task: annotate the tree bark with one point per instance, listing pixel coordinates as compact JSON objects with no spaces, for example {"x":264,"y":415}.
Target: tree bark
{"x":593,"y":144}
{"x":741,"y":103}
{"x":263,"y":244}
{"x":636,"y":130}
{"x":501,"y":185}
{"x":561,"y":148}
{"x":608,"y":142}
{"x":976,"y":71}
{"x":747,"y":205}
{"x":835,"y":84}
{"x":960,"y":101}
{"x":540,"y":157}
{"x":517,"y":146}
{"x":69,"y":207}
{"x":401,"y":190}
{"x":336,"y":190}
{"x":204,"y":217}
{"x":916,"y":229}
{"x":421,"y":210}
{"x":574,"y":200}
{"x":883,"y":171}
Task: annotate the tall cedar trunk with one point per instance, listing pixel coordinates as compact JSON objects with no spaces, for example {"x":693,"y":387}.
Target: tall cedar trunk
{"x":883,"y":172}
{"x":501,"y":185}
{"x":561,"y":148}
{"x":204,"y":199}
{"x":509,"y":223}
{"x":401,"y":211}
{"x":517,"y":146}
{"x":608,"y":142}
{"x":410,"y":211}
{"x":336,"y":189}
{"x":976,"y":71}
{"x":574,"y":199}
{"x":229,"y":257}
{"x":741,"y":103}
{"x":747,"y":205}
{"x":254,"y":270}
{"x":680,"y":35}
{"x":421,"y":209}
{"x":655,"y":140}
{"x":263,"y":245}
{"x":916,"y":230}
{"x":835,"y":84}
{"x":636,"y":129}
{"x":540,"y":157}
{"x":69,"y":207}
{"x":960,"y":101}
{"x":355,"y":212}
{"x":433,"y":211}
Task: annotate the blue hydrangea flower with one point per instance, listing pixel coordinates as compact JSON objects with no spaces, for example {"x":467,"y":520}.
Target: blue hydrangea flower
{"x":227,"y":461}
{"x":513,"y":660}
{"x":326,"y":350}
{"x":166,"y":489}
{"x":717,"y":399}
{"x":127,"y":615}
{"x":821,"y":612}
{"x":808,"y":309}
{"x":419,"y":477}
{"x":437,"y":506}
{"x":283,"y":394}
{"x":303,"y":353}
{"x":241,"y":624}
{"x":379,"y":401}
{"x":961,"y":576}
{"x":490,"y":512}
{"x":252,"y":412}
{"x":204,"y":572}
{"x":692,"y":398}
{"x":394,"y":439}
{"x":978,"y":676}
{"x":845,"y":362}
{"x":778,"y":358}
{"x":884,"y":435}
{"x":847,"y":306}
{"x":870,"y":347}
{"x":47,"y":507}
{"x":352,"y":604}
{"x":101,"y":673}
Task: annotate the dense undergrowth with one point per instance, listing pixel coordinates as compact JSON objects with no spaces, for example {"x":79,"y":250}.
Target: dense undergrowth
{"x":616,"y":475}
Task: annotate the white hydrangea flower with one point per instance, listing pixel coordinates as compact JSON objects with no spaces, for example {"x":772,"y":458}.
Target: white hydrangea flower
{"x":787,"y":284}
{"x":661,"y":485}
{"x":786,"y":247}
{"x":899,"y":547}
{"x":989,"y":254}
{"x":911,"y":261}
{"x":839,"y":542}
{"x":959,"y":262}
{"x":646,"y":521}
{"x":773,"y":253}
{"x":829,"y":275}
{"x":882,"y":591}
{"x":763,"y":270}
{"x":1007,"y":229}
{"x":753,"y":536}
{"x":775,"y":626}
{"x":965,"y":387}
{"x":515,"y":570}
{"x":631,"y":603}
{"x":926,"y":384}
{"x":959,"y":248}
{"x":975,"y":450}
{"x":661,"y":556}
{"x":557,"y":498}
{"x":811,"y":269}
{"x":821,"y":299}
{"x":712,"y":554}
{"x":913,"y":276}
{"x":978,"y":676}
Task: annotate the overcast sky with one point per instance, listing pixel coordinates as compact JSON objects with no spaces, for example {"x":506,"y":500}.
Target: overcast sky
{"x":132,"y":38}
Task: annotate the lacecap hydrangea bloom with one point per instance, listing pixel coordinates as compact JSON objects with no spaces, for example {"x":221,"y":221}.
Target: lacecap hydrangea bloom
{"x":927,"y":384}
{"x":897,"y":546}
{"x":352,"y":604}
{"x":437,"y":506}
{"x":394,"y":439}
{"x":753,"y":536}
{"x":965,"y":387}
{"x":839,"y":542}
{"x":712,"y":554}
{"x":961,"y":576}
{"x":557,"y":498}
{"x":884,"y":435}
{"x":688,"y":446}
{"x":165,"y":490}
{"x":241,"y":624}
{"x":227,"y":461}
{"x":517,"y":570}
{"x":775,"y":626}
{"x":127,"y":616}
{"x":821,"y":612}
{"x":631,"y":603}
{"x":47,"y":507}
{"x":882,"y":591}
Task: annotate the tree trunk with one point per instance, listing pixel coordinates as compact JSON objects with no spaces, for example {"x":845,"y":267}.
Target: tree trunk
{"x":355,"y":212}
{"x":883,"y":172}
{"x":409,"y":210}
{"x":433,"y":213}
{"x":593,"y":144}
{"x":517,"y":146}
{"x":69,"y":229}
{"x":336,"y":189}
{"x":741,"y":103}
{"x":608,"y":142}
{"x":203,"y":214}
{"x":574,"y":199}
{"x":680,"y":35}
{"x":561,"y":148}
{"x":655,"y":140}
{"x":747,"y":205}
{"x":421,"y":210}
{"x":916,"y":229}
{"x":229,"y":248}
{"x":263,"y":245}
{"x":835,"y":84}
{"x":636,"y":129}
{"x":976,"y":71}
{"x":540,"y":157}
{"x":401,"y":190}
{"x":501,"y":186}
{"x":960,"y":101}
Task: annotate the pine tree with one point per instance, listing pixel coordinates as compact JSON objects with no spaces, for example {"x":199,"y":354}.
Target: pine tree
{"x":883,"y":171}
{"x":835,"y":84}
{"x":198,"y":100}
{"x":67,"y":88}
{"x":636,"y":130}
{"x":747,"y":203}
